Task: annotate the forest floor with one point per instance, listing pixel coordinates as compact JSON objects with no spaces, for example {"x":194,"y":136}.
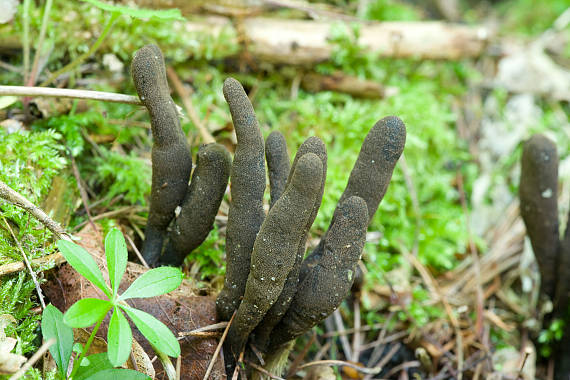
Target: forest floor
{"x":451,"y":285}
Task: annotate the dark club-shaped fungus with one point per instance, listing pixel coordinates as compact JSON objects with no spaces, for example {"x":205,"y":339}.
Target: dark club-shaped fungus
{"x":539,"y":209}
{"x":171,"y":168}
{"x":275,"y":295}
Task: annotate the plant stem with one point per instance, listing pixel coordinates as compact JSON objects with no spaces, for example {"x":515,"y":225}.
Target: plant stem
{"x":85,"y":55}
{"x":45,"y":20}
{"x":26,"y":38}
{"x":85,"y":348}
{"x":69,"y":93}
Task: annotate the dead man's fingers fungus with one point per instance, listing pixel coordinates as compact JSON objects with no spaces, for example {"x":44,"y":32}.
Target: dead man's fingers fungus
{"x":371,"y":173}
{"x":171,"y":159}
{"x":246,"y":206}
{"x":201,"y":204}
{"x":327,"y":284}
{"x":276,"y":312}
{"x":276,"y":248}
{"x":277,"y":163}
{"x":539,"y":205}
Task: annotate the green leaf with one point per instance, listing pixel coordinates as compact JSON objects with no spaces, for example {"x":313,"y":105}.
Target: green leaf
{"x":167,"y":14}
{"x":119,"y":338}
{"x":116,"y":253}
{"x":53,"y":327}
{"x":155,"y":331}
{"x":118,"y":374}
{"x":82,"y":262}
{"x":97,"y":363}
{"x":86,"y":312}
{"x":154,"y":283}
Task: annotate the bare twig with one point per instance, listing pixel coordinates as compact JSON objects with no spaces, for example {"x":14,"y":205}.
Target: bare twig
{"x":218,"y":348}
{"x":25,"y":257}
{"x":207,"y":138}
{"x":371,"y":371}
{"x":108,"y":214}
{"x":35,"y":66}
{"x":343,"y":339}
{"x":406,"y":365}
{"x":384,"y":360}
{"x":356,"y":337}
{"x":299,"y":358}
{"x":12,"y":196}
{"x":137,"y":252}
{"x":35,"y":357}
{"x":264,"y":371}
{"x":5,"y":269}
{"x":69,"y":93}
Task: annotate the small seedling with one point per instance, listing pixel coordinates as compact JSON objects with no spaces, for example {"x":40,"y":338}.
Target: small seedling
{"x":92,"y":311}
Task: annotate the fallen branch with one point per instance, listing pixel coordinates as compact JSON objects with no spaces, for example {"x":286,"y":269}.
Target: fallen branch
{"x":18,"y":266}
{"x":68,"y":93}
{"x":347,"y":84}
{"x":12,"y":196}
{"x":307,"y":42}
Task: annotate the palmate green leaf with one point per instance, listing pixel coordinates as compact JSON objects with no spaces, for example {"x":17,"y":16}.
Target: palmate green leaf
{"x":167,"y":14}
{"x":119,"y":374}
{"x":154,"y":283}
{"x":82,"y":262}
{"x":97,"y":363}
{"x":86,"y":312}
{"x":116,"y":253}
{"x":154,"y":331}
{"x":119,"y":338}
{"x":54,"y":327}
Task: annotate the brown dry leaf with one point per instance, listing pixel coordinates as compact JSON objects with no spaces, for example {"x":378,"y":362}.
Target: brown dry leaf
{"x":9,"y":363}
{"x":180,"y":310}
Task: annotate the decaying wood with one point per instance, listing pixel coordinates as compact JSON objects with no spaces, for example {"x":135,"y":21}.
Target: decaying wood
{"x":306,"y":42}
{"x":347,"y":84}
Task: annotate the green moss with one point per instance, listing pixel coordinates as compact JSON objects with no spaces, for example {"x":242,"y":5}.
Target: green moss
{"x":125,"y":174}
{"x":18,"y":298}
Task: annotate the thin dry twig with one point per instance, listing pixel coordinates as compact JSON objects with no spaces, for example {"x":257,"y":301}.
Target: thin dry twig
{"x":25,"y":257}
{"x":218,"y":348}
{"x":215,"y":326}
{"x":356,"y":337}
{"x":57,"y":258}
{"x":343,"y":340}
{"x":403,"y":366}
{"x":35,"y":357}
{"x":12,"y":196}
{"x":371,"y":371}
{"x":384,"y":360}
{"x":114,"y":213}
{"x":137,"y":252}
{"x":264,"y":371}
{"x":69,"y":93}
{"x":188,"y":106}
{"x":299,"y":358}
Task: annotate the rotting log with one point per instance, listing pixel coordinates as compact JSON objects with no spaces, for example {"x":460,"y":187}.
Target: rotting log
{"x":307,"y":42}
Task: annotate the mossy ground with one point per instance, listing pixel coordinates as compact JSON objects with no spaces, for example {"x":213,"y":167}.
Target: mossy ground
{"x":422,"y":211}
